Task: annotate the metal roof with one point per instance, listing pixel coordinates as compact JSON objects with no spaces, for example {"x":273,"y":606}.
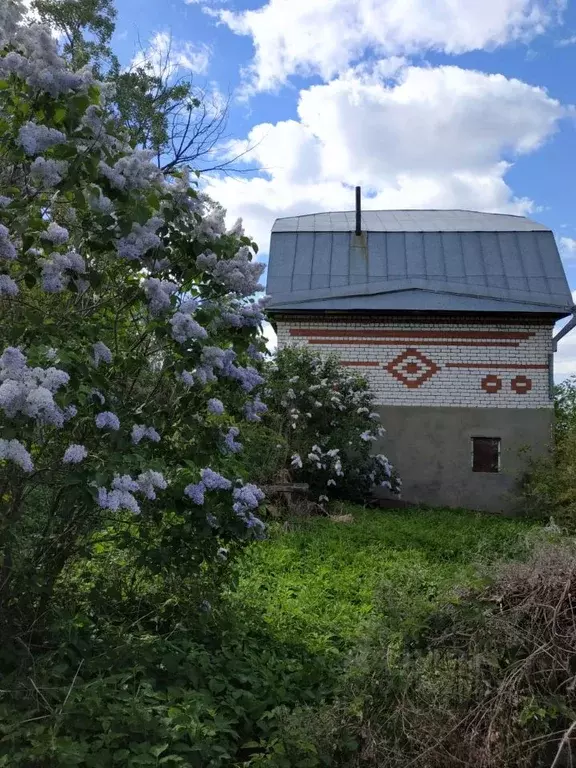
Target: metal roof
{"x":461,"y":261}
{"x":408,"y":221}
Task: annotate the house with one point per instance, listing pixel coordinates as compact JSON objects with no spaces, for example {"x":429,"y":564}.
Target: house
{"x":449,"y":314}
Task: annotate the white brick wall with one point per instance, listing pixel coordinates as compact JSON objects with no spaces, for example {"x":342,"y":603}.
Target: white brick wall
{"x":476,"y":364}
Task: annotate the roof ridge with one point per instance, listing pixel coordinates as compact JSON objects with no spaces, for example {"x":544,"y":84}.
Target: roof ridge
{"x":407,"y":210}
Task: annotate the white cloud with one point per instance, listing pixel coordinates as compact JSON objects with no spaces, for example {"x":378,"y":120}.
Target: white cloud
{"x":566,"y":41}
{"x":567,"y":247}
{"x":326,"y":36}
{"x":430,"y":138}
{"x":168,"y":56}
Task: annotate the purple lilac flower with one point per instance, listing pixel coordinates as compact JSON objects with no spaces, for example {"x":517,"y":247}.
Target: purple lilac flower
{"x":216,"y":406}
{"x":248,"y":378}
{"x":140,"y":431}
{"x":184,"y":327}
{"x":13,"y":450}
{"x":124,"y":483}
{"x":195,"y":492}
{"x":55,"y":234}
{"x":158,"y":293}
{"x":247,"y":497}
{"x":8,"y":287}
{"x":187,"y":378}
{"x":229,"y":441}
{"x":74,"y":454}
{"x":213,"y":481}
{"x":117,"y":499}
{"x":212,"y":520}
{"x":7,"y":247}
{"x":36,"y":138}
{"x":254,"y":409}
{"x":101,"y":353}
{"x":107,"y":420}
{"x":150,"y":480}
{"x":254,"y":353}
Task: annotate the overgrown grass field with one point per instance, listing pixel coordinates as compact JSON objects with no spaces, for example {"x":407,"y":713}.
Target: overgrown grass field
{"x":314,"y":581}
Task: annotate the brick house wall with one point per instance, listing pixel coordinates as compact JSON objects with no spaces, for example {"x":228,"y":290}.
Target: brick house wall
{"x":428,"y":361}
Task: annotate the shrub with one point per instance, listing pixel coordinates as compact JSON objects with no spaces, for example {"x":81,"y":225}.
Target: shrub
{"x":327,"y":421}
{"x":483,"y":680}
{"x":549,"y":487}
{"x":128,"y":345}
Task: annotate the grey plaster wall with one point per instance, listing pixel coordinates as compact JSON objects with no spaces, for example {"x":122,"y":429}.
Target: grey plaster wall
{"x":431,"y":448}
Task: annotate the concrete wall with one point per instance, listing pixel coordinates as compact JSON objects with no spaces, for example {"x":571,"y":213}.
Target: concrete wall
{"x":431,"y":449}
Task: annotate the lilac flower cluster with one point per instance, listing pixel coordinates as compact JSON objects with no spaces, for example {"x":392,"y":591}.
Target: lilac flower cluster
{"x":35,"y":58}
{"x":245,"y":315}
{"x":107,"y":420}
{"x":139,"y":432}
{"x":254,"y":353}
{"x":246,"y":499}
{"x":121,"y":496}
{"x":211,"y":481}
{"x":54,"y":277}
{"x":150,"y":480}
{"x":30,"y":391}
{"x":48,"y":173}
{"x":134,"y":171}
{"x":13,"y":450}
{"x":92,"y":120}
{"x":141,"y":239}
{"x":74,"y":454}
{"x":101,"y":353}
{"x":215,"y":406}
{"x":213,"y":223}
{"x":55,"y":234}
{"x":239,"y":274}
{"x":223,"y":360}
{"x":8,"y":287}
{"x":158,"y":293}
{"x":34,"y":138}
{"x":101,"y":204}
{"x":230,"y":444}
{"x":7,"y":247}
{"x":184,"y":326}
{"x":254,"y":409}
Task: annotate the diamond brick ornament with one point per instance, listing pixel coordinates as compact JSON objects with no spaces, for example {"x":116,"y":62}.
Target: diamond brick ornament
{"x":412,"y":368}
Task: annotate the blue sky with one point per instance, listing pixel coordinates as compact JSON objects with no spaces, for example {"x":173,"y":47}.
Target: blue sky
{"x":444,"y":104}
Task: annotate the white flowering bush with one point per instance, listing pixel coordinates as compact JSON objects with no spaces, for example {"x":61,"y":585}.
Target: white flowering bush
{"x":127,"y":343}
{"x":328,"y":424}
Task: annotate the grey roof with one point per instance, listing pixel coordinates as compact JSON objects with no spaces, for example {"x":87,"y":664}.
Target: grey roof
{"x":460,"y":261}
{"x":408,"y":221}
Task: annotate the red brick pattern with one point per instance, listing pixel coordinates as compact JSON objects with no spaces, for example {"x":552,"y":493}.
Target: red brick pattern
{"x":412,"y":368}
{"x":502,"y":366}
{"x":364,"y":363}
{"x":430,"y":360}
{"x":491,"y":384}
{"x":401,"y":334}
{"x":401,"y":343}
{"x":521,"y":384}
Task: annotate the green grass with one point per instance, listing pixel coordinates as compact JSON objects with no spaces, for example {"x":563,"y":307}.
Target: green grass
{"x":316,"y":583}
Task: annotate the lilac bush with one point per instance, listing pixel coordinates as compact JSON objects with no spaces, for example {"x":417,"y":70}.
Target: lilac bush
{"x":328,"y":424}
{"x":127,"y":325}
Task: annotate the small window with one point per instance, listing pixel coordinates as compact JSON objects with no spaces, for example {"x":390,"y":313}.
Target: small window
{"x":486,"y":454}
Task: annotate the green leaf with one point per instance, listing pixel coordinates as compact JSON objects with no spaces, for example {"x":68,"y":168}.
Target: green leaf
{"x":59,"y":115}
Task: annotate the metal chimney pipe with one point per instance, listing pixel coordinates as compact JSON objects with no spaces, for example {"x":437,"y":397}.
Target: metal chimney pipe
{"x":358,"y":211}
